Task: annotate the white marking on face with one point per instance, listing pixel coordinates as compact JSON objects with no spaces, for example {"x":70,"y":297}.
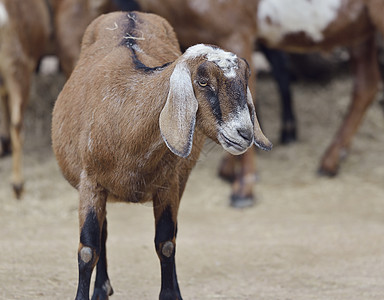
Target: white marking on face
{"x":277,"y":18}
{"x":229,"y":136}
{"x":3,"y":14}
{"x":226,"y":61}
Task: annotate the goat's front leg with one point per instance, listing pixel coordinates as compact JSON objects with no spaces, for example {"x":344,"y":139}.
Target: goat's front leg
{"x":366,"y":80}
{"x":91,"y":219}
{"x":103,"y":288}
{"x":165,"y":212}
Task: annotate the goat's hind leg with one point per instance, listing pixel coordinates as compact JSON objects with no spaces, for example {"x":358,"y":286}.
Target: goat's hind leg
{"x":366,"y":79}
{"x":92,"y":240}
{"x":279,"y":64}
{"x":5,"y":139}
{"x":103,"y":288}
{"x":18,"y":93}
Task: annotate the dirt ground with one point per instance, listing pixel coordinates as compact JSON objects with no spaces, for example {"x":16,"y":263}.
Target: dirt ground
{"x":308,"y":237}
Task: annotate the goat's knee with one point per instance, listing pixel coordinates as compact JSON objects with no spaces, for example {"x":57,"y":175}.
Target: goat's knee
{"x":168,"y":248}
{"x":90,"y":235}
{"x":165,"y":234}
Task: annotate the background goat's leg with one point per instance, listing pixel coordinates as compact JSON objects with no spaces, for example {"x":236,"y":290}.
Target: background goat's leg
{"x":18,"y":89}
{"x":91,"y":220}
{"x":5,"y":139}
{"x":241,"y":170}
{"x":103,"y":287}
{"x":366,"y":79}
{"x":165,"y":243}
{"x":279,"y":66}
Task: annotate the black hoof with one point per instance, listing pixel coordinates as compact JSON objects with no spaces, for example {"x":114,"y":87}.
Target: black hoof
{"x":169,"y":295}
{"x":242,"y":201}
{"x":18,"y":190}
{"x":102,"y":294}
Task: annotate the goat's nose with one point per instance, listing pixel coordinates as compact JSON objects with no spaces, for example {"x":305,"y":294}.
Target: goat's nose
{"x":246,"y":134}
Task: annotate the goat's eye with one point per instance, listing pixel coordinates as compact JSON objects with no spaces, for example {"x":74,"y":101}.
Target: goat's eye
{"x":203,"y":83}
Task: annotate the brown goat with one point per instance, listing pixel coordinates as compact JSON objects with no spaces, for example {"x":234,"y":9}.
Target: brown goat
{"x":28,"y":31}
{"x":129,"y":125}
{"x":298,"y":26}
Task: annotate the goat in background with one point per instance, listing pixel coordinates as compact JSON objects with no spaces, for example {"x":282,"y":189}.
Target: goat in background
{"x":30,"y":30}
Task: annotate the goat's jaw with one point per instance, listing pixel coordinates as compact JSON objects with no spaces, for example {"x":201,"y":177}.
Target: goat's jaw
{"x":236,"y":136}
{"x":233,"y":146}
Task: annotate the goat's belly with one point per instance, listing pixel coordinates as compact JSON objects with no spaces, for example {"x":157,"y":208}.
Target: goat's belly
{"x":132,"y":188}
{"x":133,"y":197}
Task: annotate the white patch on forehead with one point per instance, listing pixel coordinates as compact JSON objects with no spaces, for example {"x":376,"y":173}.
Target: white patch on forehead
{"x":3,"y":14}
{"x":227,"y":61}
{"x":277,"y":18}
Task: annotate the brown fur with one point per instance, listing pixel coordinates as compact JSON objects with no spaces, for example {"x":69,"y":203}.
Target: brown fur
{"x":193,"y":24}
{"x":33,"y":30}
{"x":112,"y":119}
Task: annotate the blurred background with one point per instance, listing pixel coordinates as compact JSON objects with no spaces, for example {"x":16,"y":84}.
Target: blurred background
{"x":306,"y":236}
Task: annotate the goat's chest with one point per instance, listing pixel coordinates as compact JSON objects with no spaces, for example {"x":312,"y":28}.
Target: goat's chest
{"x":136,"y":178}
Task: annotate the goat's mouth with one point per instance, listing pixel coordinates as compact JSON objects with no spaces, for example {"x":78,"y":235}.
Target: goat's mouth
{"x":233,"y":147}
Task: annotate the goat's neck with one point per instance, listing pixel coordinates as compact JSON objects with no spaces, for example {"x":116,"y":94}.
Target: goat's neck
{"x":151,"y":92}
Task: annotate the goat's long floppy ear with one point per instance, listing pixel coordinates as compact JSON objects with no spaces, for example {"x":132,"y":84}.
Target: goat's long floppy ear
{"x":260,"y":140}
{"x":178,"y":117}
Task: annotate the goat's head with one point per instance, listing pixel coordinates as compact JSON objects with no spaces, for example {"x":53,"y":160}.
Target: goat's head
{"x":209,"y":89}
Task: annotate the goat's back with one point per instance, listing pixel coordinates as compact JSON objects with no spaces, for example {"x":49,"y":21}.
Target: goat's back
{"x":150,"y":36}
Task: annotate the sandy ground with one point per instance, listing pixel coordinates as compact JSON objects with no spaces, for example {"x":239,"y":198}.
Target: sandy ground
{"x":307,"y":237}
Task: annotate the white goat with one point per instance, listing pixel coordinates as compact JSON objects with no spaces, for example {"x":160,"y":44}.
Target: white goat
{"x":130,"y":123}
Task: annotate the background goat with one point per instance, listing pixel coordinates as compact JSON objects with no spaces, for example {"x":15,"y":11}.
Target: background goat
{"x":28,"y":31}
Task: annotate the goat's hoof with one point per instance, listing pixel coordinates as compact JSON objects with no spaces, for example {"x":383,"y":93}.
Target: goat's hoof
{"x":168,"y":294}
{"x":18,"y":189}
{"x":238,"y":201}
{"x":327,"y":172}
{"x":102,"y":294}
